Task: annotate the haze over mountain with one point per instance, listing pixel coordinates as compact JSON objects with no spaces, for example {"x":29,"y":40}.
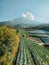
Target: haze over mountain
{"x":22,"y":23}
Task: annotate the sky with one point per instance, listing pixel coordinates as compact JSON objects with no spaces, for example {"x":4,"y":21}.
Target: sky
{"x":37,"y":10}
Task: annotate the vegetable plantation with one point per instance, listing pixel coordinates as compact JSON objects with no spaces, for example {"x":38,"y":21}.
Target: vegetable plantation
{"x":17,"y":49}
{"x":31,"y":53}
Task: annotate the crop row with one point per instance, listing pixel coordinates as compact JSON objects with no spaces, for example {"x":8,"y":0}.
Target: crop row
{"x":24,"y":56}
{"x":40,"y":54}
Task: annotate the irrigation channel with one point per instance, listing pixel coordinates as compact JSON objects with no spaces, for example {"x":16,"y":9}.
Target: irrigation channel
{"x":30,"y":53}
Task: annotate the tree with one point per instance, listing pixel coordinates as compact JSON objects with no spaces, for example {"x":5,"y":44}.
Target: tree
{"x":8,"y":44}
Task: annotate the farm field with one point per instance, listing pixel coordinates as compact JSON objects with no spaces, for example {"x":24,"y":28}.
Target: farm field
{"x":18,"y":48}
{"x":32,"y":54}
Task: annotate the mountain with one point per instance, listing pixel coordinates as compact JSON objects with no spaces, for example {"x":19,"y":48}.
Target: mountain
{"x":44,"y":26}
{"x":25,"y":21}
{"x":21,"y":22}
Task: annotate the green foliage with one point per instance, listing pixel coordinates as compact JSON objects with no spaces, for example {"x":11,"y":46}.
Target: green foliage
{"x":8,"y":44}
{"x":7,"y":35}
{"x":40,"y":54}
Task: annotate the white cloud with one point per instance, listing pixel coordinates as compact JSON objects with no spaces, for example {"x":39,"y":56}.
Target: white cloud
{"x":28,"y":15}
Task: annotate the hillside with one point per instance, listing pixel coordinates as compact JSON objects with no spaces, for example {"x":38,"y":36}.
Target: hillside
{"x":44,"y":26}
{"x":9,"y":42}
{"x":21,"y":23}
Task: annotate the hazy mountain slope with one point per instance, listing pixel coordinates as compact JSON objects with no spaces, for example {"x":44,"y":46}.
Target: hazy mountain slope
{"x":21,"y":23}
{"x":43,"y":26}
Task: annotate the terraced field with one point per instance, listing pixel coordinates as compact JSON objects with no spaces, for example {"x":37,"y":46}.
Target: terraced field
{"x":31,"y":53}
{"x":24,"y":56}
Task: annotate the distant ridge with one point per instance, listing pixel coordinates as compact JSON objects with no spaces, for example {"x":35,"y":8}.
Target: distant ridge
{"x":23,"y":23}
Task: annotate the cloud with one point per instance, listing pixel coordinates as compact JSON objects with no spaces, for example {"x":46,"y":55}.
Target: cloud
{"x":28,"y":15}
